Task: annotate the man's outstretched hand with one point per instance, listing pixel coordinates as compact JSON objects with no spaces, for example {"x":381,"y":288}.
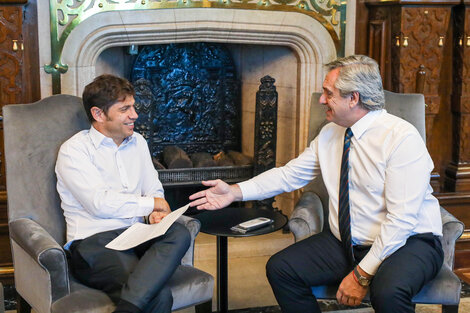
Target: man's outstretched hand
{"x":217,"y":197}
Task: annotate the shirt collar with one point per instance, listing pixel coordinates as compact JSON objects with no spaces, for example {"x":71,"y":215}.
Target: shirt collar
{"x":363,"y":124}
{"x":98,"y":138}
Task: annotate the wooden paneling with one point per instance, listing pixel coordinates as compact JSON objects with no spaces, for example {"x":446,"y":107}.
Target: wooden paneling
{"x":11,"y":61}
{"x":412,"y":42}
{"x":19,"y":83}
{"x":362,"y":28}
{"x":457,"y":176}
{"x":421,"y":47}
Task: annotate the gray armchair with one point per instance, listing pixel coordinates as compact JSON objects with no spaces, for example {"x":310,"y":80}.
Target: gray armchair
{"x":311,"y":212}
{"x":33,"y":134}
{"x":2,"y":300}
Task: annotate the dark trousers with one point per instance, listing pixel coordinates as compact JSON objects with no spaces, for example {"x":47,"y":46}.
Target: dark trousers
{"x":320,"y":260}
{"x":137,"y":275}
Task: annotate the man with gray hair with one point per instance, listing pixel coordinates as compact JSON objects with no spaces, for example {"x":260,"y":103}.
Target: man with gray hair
{"x":384,"y":222}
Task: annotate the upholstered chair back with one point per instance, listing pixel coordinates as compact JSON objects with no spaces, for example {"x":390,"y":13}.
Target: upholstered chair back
{"x":33,"y":135}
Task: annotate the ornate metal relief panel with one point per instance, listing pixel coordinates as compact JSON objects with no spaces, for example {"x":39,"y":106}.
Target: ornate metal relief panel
{"x":11,"y":59}
{"x":187,"y":95}
{"x":68,"y":14}
{"x":266,"y":130}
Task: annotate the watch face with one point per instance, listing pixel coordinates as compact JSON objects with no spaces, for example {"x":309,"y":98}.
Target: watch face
{"x":363,"y":281}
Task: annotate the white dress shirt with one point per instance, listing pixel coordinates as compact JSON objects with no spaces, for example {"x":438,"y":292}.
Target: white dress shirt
{"x":389,"y":173}
{"x":104,"y":186}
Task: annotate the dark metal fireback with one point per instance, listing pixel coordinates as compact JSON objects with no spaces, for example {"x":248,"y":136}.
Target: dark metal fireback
{"x":187,"y":95}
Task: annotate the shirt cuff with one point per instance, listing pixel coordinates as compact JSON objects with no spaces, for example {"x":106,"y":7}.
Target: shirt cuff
{"x":146,"y":205}
{"x":249,"y":190}
{"x":370,"y":264}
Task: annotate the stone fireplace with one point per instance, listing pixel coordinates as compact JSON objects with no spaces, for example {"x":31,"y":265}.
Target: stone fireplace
{"x":290,"y":47}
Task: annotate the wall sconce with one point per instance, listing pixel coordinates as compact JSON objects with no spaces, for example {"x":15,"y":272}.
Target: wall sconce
{"x":17,"y":45}
{"x":461,"y":39}
{"x":441,"y":41}
{"x":401,"y":40}
{"x":405,"y":41}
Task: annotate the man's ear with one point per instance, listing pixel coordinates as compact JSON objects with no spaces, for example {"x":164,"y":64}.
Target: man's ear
{"x":97,"y":114}
{"x":353,"y":99}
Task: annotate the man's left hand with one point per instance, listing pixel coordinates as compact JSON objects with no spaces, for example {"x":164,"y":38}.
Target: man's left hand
{"x":156,"y":217}
{"x":161,"y":208}
{"x":350,"y":292}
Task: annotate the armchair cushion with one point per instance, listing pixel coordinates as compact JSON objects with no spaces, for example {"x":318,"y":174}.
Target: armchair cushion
{"x":84,"y":300}
{"x":189,"y":286}
{"x":443,"y":289}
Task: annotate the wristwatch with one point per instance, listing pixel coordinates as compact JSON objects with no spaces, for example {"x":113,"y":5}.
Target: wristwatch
{"x":362,"y":280}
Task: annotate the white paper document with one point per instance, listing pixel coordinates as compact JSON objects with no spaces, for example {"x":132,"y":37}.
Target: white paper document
{"x":139,"y":232}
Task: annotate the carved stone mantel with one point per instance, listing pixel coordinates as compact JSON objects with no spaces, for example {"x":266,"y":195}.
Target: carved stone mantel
{"x":458,"y":171}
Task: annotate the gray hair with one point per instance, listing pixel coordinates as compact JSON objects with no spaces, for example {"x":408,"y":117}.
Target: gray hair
{"x":360,"y":74}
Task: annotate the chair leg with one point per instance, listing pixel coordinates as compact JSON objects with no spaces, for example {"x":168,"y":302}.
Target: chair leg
{"x":450,"y":308}
{"x":21,"y":305}
{"x":205,"y":307}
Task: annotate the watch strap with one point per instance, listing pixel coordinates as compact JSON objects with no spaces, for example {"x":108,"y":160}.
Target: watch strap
{"x":362,"y":280}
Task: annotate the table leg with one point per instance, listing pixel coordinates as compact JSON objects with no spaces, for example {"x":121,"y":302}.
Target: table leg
{"x":222,"y":277}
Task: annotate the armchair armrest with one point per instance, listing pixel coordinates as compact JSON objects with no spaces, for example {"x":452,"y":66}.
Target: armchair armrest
{"x":37,"y":243}
{"x":452,"y":229}
{"x":307,"y":217}
{"x":193,"y":225}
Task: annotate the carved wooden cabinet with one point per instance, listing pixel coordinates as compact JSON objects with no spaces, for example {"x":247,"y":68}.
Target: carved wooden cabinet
{"x":424,"y":47}
{"x":412,"y":41}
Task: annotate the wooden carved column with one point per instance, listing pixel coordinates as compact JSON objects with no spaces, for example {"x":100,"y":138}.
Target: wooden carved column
{"x":266,"y":132}
{"x":13,"y":88}
{"x":457,"y":176}
{"x":11,"y":59}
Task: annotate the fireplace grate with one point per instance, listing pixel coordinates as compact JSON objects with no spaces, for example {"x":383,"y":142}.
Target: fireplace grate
{"x":194,"y":176}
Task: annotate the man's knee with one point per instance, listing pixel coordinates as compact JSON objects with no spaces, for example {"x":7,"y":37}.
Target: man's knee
{"x":389,"y":296}
{"x":179,"y":234}
{"x":275,"y":266}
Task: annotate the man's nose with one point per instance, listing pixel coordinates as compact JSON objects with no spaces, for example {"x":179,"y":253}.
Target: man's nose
{"x":322,"y":99}
{"x":133,"y":114}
